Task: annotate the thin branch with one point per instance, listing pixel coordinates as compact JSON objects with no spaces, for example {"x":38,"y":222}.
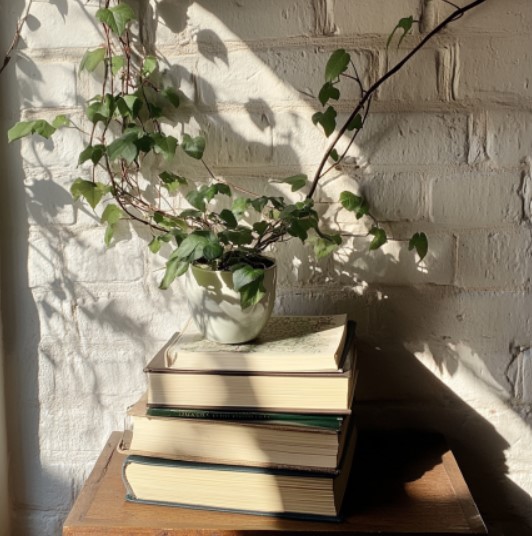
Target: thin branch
{"x":16,"y":38}
{"x":451,"y":18}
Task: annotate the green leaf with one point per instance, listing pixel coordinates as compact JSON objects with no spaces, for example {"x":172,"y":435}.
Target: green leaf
{"x":174,"y":268}
{"x":129,"y":106}
{"x":172,"y":96}
{"x":26,"y":128}
{"x":356,"y":122}
{"x":60,"y":121}
{"x":171,"y":181}
{"x":222,"y":188}
{"x":297,"y":182}
{"x":420,"y":242}
{"x":213,"y":250}
{"x":334,"y":155}
{"x":243,"y":275}
{"x":259,"y":203}
{"x":155,"y":245}
{"x":91,"y":59}
{"x":165,"y":145}
{"x":337,"y":64}
{"x":93,"y":153}
{"x":326,"y":119}
{"x":111,"y":215}
{"x":102,"y":109}
{"x":354,"y":203}
{"x":150,"y":65}
{"x":328,"y":91}
{"x":124,"y":147}
{"x":240,"y":205}
{"x":193,"y":246}
{"x":251,"y":294}
{"x":191,"y":213}
{"x":260,"y":227}
{"x":325,"y":245}
{"x":228,"y":218}
{"x":92,"y":192}
{"x":117,"y":63}
{"x":379,"y":238}
{"x":249,"y":282}
{"x":241,"y":236}
{"x":197,"y":199}
{"x":168,"y":221}
{"x":194,"y":147}
{"x":404,"y":24}
{"x":117,"y":17}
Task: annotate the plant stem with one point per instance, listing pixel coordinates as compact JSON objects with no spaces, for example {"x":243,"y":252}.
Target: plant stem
{"x":16,"y":38}
{"x":459,"y":12}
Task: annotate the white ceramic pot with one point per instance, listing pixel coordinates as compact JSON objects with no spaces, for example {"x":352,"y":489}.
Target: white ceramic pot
{"x":215,"y":305}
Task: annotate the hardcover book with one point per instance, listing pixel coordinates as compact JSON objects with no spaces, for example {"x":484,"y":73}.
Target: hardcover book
{"x":287,"y":344}
{"x":292,"y":392}
{"x":285,"y":440}
{"x":237,"y":488}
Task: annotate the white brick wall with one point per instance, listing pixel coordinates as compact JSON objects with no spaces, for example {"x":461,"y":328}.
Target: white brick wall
{"x":446,"y":151}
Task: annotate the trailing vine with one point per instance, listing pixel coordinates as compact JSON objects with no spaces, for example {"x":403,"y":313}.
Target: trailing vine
{"x":129,"y":121}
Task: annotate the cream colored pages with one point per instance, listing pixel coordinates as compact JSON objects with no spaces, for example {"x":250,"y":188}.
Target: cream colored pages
{"x":287,"y":344}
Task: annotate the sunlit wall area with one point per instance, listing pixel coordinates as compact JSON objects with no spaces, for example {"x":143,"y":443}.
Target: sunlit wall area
{"x":445,"y":343}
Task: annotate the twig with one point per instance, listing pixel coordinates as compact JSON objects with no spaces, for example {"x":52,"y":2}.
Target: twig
{"x":451,"y":18}
{"x":16,"y":37}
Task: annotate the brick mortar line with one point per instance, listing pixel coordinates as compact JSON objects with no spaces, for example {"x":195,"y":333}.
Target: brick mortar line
{"x":375,"y":42}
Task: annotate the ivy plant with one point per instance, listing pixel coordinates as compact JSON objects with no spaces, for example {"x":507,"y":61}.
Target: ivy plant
{"x":128,"y":121}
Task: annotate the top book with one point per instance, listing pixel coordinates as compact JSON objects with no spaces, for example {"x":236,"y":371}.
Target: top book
{"x":287,"y":344}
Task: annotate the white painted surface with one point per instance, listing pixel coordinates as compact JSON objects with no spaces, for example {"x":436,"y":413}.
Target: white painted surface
{"x":445,"y":151}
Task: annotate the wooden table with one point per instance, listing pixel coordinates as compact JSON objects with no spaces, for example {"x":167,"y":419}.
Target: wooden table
{"x":402,"y":483}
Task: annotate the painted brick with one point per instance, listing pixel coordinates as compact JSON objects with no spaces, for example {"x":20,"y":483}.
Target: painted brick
{"x":45,"y":258}
{"x":53,"y":25}
{"x":362,"y":17}
{"x":62,"y":149}
{"x":83,"y":374}
{"x":48,"y":199}
{"x":494,"y":259}
{"x":476,"y":199}
{"x":129,"y":314}
{"x":87,"y":259}
{"x":492,"y":69}
{"x":212,"y":21}
{"x":493,"y":18}
{"x":395,"y":196}
{"x":509,"y":137}
{"x":53,"y":309}
{"x":418,"y":80}
{"x":46,"y":84}
{"x":414,"y":139}
{"x":393,"y":264}
{"x":274,"y":75}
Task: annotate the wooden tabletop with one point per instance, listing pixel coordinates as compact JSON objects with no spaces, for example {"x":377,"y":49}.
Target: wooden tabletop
{"x":402,"y":483}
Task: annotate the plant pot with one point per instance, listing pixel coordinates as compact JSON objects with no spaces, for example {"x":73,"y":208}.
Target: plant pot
{"x":215,"y":305}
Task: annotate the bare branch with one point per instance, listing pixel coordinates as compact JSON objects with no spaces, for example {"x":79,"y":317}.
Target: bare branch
{"x":459,"y":12}
{"x":16,"y":37}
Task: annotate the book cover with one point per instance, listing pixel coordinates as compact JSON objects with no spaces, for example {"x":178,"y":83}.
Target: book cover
{"x":289,"y":392}
{"x":287,"y":343}
{"x":241,"y":489}
{"x":264,"y":443}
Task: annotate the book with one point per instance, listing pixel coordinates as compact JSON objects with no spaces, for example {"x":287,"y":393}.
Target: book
{"x":287,"y":344}
{"x":237,"y":488}
{"x":313,"y":441}
{"x":290,"y":392}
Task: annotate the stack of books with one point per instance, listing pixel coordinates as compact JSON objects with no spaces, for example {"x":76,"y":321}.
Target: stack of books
{"x":262,"y":428}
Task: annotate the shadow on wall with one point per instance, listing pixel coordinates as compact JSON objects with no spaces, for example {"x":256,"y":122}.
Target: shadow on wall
{"x":69,"y":300}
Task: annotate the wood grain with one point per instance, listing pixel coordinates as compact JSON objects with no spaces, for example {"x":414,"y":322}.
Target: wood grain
{"x":420,"y":490}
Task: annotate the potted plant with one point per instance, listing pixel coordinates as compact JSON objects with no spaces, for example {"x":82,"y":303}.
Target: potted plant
{"x":221,"y":238}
